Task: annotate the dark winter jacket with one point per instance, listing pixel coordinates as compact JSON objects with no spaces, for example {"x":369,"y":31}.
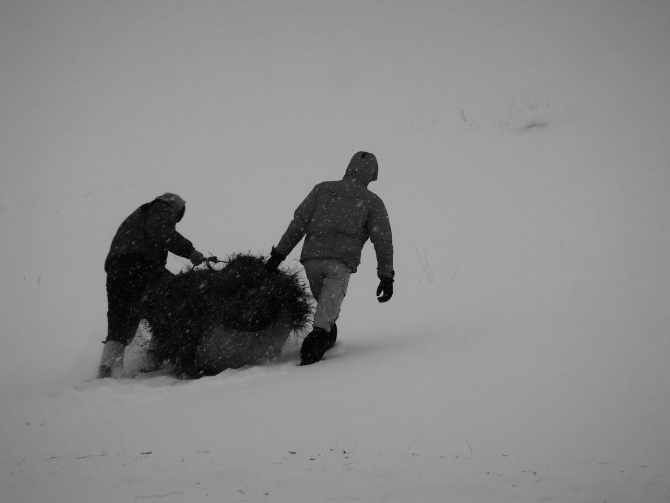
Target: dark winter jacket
{"x":338,"y":217}
{"x":149,"y":233}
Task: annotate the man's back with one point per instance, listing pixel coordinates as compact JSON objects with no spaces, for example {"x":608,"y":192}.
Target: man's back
{"x":342,"y":207}
{"x":149,"y":232}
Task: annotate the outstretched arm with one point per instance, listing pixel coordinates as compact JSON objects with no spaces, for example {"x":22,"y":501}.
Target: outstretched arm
{"x":298,"y":226}
{"x":161,"y":229}
{"x":379,"y":227}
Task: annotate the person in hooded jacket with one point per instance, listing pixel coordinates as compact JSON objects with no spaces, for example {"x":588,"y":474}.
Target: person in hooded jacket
{"x":337,"y":218}
{"x":136,"y":260}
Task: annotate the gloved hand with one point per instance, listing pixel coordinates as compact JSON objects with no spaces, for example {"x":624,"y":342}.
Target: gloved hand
{"x":196,"y":257}
{"x":385,"y":289}
{"x":273,"y":262}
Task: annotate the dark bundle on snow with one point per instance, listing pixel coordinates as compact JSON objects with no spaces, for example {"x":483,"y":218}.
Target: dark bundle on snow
{"x":205,"y":320}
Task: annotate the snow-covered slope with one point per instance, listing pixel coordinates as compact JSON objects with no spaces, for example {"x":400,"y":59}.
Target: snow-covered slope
{"x":524,"y":161}
{"x":417,"y":417}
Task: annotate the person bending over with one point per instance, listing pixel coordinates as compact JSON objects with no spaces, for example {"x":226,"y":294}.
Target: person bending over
{"x":136,"y":261}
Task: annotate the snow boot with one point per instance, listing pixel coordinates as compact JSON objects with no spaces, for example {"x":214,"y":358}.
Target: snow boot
{"x":111,"y":362}
{"x":317,"y":342}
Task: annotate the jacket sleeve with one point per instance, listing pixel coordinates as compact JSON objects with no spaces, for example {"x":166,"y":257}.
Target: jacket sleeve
{"x":298,"y":227}
{"x":161,"y":230}
{"x":379,"y":227}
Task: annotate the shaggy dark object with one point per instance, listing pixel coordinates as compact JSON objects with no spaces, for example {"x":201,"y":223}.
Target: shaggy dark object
{"x":206,"y":320}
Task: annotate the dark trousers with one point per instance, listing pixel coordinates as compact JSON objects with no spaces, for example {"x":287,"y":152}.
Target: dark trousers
{"x":127,"y":280}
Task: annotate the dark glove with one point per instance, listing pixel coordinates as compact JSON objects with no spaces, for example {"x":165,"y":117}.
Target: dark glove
{"x":385,"y":289}
{"x":273,"y":262}
{"x":196,"y":257}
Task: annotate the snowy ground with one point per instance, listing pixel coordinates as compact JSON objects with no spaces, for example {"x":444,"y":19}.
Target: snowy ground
{"x":525,"y":163}
{"x":422,"y":417}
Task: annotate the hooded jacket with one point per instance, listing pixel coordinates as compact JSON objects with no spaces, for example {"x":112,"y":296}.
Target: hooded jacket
{"x":338,"y":217}
{"x":149,"y":233}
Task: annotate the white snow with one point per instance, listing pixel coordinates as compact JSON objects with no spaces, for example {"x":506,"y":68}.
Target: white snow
{"x":524,"y":161}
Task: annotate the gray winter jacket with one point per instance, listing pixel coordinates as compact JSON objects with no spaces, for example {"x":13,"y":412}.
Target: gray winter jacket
{"x":338,"y":217}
